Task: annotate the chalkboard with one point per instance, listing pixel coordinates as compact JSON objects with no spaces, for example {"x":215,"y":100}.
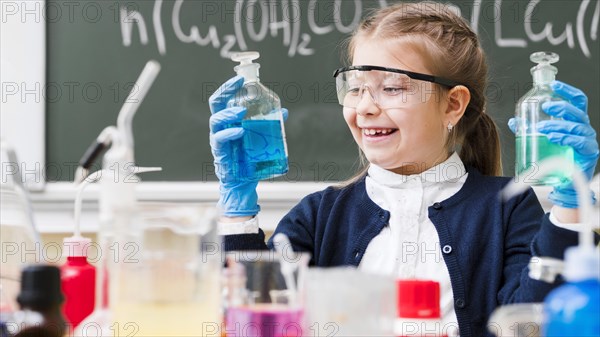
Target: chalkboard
{"x":96,"y":50}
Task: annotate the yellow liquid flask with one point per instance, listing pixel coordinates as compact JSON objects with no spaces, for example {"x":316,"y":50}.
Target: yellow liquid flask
{"x":532,"y":146}
{"x":165,"y":272}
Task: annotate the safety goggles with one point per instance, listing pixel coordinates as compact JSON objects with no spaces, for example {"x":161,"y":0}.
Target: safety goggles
{"x":389,"y":88}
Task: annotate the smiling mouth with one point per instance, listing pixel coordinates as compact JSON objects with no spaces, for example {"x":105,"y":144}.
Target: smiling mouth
{"x":378,"y":132}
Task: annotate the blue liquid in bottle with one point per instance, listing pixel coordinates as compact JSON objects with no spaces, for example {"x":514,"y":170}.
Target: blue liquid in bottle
{"x":573,"y":309}
{"x":262,"y":152}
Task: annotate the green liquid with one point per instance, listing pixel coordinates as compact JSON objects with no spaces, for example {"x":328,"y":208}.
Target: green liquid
{"x":533,"y":149}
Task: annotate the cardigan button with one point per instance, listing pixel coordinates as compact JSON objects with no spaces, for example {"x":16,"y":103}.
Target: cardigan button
{"x":437,"y":206}
{"x":447,"y":249}
{"x":460,"y":303}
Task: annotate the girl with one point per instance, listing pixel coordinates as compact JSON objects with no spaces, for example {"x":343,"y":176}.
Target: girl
{"x":426,"y":205}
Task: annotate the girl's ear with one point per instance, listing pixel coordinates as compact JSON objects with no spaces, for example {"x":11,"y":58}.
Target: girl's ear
{"x":458,"y":99}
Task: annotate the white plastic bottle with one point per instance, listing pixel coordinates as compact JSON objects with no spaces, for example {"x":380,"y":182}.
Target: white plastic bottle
{"x":262,"y":152}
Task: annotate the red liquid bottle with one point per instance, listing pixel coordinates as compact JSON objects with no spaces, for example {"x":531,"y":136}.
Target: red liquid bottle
{"x":78,"y":280}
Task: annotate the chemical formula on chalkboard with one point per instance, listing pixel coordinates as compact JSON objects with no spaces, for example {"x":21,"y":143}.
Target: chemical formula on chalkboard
{"x":255,"y":21}
{"x":273,"y":18}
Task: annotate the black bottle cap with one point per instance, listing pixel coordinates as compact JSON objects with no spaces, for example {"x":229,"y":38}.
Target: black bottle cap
{"x":40,"y":286}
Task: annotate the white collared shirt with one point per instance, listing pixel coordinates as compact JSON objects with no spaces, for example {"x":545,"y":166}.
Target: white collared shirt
{"x":410,"y":247}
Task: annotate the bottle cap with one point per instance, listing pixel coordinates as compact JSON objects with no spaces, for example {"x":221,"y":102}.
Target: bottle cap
{"x":418,"y":299}
{"x":40,"y":286}
{"x":544,"y":57}
{"x":544,"y":71}
{"x":245,"y":57}
{"x":76,"y":246}
{"x":246,"y":69}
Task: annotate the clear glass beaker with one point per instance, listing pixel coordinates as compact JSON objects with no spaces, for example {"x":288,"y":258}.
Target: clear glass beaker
{"x":165,"y":272}
{"x":259,"y":299}
{"x":516,"y":320}
{"x":349,"y":302}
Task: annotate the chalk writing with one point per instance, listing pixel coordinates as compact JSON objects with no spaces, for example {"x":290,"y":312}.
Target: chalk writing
{"x":295,"y":22}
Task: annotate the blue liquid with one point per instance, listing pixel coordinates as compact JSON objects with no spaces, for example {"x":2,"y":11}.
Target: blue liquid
{"x":572,"y":310}
{"x":261,"y":153}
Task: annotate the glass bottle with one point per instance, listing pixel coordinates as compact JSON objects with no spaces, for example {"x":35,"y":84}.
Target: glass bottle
{"x":532,"y":146}
{"x":262,"y":152}
{"x":258,"y":297}
{"x":40,"y":300}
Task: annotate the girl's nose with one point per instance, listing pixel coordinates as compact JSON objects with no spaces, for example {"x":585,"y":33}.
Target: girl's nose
{"x":367,"y":104}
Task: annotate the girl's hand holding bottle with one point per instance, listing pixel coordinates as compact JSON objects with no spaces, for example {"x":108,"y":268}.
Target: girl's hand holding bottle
{"x":238,"y":187}
{"x":238,"y":193}
{"x":573,"y":130}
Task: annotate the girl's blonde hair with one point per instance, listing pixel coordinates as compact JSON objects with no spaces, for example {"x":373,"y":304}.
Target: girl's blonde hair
{"x":451,"y":50}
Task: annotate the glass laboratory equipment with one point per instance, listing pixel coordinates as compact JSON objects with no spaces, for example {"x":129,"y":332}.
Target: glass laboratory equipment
{"x":532,"y":146}
{"x":260,"y":301}
{"x":518,"y":320}
{"x":349,"y":302}
{"x":165,"y":271}
{"x":262,"y":152}
{"x":19,"y":240}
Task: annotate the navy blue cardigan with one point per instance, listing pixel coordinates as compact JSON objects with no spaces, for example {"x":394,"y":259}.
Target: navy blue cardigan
{"x":486,"y":243}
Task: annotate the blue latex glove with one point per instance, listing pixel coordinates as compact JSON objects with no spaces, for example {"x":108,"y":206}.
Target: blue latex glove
{"x":574,"y":131}
{"x":238,"y":196}
{"x":238,"y":193}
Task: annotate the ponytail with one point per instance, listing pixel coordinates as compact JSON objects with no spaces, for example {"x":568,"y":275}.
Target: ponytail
{"x":480,"y":147}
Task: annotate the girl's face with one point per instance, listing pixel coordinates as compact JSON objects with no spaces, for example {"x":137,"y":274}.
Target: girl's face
{"x":408,"y":139}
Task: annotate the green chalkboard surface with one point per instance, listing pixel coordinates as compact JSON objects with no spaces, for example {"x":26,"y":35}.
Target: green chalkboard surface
{"x":97,"y":49}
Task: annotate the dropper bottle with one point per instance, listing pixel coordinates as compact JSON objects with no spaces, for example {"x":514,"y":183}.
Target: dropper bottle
{"x":78,"y":277}
{"x":574,"y":306}
{"x":101,"y":316}
{"x":262,"y":152}
{"x":531,"y":145}
{"x":117,"y":195}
